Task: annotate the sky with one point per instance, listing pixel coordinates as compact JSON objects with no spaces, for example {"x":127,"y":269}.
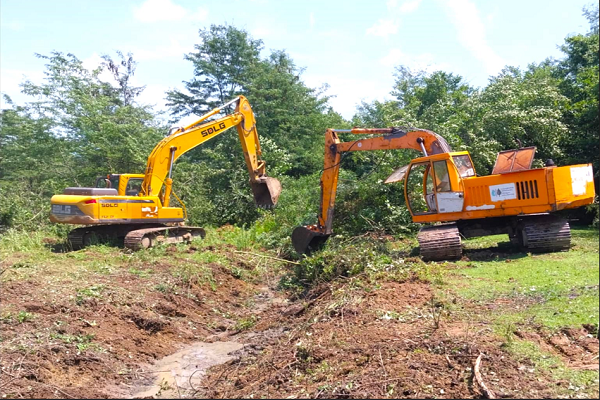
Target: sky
{"x":353,"y":46}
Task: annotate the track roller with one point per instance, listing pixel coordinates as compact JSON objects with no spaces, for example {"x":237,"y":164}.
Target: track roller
{"x":144,"y":238}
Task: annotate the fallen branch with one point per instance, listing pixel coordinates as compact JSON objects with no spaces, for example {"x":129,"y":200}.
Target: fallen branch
{"x":271,"y":257}
{"x":487,"y":392}
{"x":450,"y":364}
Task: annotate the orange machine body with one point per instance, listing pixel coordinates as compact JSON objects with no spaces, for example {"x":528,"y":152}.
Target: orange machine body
{"x":442,"y":186}
{"x":533,"y":191}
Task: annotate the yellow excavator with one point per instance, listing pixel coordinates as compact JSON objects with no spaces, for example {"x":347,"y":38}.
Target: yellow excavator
{"x":443,"y":187}
{"x":137,"y":207}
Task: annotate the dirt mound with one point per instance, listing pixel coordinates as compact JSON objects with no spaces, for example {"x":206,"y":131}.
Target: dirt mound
{"x":381,"y":341}
{"x":578,"y":348}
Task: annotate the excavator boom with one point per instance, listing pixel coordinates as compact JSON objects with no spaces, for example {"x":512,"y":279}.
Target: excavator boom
{"x":160,"y":162}
{"x":307,"y":238}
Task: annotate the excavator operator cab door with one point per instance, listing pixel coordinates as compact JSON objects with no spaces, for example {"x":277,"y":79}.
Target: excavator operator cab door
{"x":432,"y":187}
{"x":419,"y":189}
{"x":449,"y":193}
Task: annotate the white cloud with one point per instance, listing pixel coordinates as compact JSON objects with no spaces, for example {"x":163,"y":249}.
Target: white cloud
{"x":173,"y":50}
{"x":409,"y":6}
{"x":349,"y":92}
{"x":165,"y":10}
{"x":384,"y":28}
{"x":389,"y":26}
{"x":154,"y":95}
{"x":471,"y":34}
{"x":11,"y":79}
{"x":261,"y":32}
{"x":311,"y":20}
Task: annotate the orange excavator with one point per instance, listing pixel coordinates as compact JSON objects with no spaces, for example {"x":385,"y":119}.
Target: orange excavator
{"x":441,"y":188}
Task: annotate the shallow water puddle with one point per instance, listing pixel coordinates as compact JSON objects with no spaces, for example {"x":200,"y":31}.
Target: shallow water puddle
{"x":179,"y":374}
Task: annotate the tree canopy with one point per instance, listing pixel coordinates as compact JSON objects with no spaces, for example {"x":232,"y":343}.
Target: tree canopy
{"x":78,"y":126}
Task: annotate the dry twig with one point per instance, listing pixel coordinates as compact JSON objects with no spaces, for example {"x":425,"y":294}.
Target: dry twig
{"x":450,"y":364}
{"x":382,"y":366}
{"x":487,"y":392}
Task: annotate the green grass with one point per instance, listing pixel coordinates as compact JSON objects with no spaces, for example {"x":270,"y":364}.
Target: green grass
{"x":555,"y":290}
{"x":580,"y":382}
{"x":544,"y":292}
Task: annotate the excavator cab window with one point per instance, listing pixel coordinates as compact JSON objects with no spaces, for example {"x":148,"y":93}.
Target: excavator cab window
{"x":101,"y":182}
{"x":419,"y":186}
{"x":133,"y":186}
{"x":464,"y":166}
{"x":442,"y":179}
{"x":109,"y":181}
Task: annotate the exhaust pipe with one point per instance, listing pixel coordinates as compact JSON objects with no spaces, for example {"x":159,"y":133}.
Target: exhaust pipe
{"x":307,"y":240}
{"x":266,"y":191}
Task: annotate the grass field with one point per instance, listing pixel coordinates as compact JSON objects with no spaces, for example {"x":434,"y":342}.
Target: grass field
{"x":79,"y":322}
{"x":537,"y":295}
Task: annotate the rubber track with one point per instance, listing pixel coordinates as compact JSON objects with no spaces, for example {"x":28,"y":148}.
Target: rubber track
{"x":440,"y":242}
{"x":546,"y":234}
{"x":133,"y":240}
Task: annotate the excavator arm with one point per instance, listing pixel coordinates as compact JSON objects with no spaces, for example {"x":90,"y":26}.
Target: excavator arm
{"x":181,"y":140}
{"x":307,"y":238}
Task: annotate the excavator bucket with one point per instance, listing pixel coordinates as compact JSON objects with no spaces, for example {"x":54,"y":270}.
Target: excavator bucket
{"x":306,"y":240}
{"x":266,"y":192}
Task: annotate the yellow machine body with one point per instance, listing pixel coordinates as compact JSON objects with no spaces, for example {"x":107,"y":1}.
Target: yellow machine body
{"x":130,"y":202}
{"x":124,"y":207}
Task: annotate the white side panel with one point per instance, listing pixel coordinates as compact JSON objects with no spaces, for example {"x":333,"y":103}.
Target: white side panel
{"x":505,"y":191}
{"x":449,"y":202}
{"x":580,"y":176}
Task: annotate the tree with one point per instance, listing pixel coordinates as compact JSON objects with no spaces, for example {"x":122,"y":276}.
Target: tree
{"x":527,"y":106}
{"x":78,"y":127}
{"x":579,"y":76}
{"x":122,"y":72}
{"x":113,"y":134}
{"x":222,"y":68}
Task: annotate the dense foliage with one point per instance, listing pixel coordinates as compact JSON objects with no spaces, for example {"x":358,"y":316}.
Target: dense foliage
{"x":79,"y":126}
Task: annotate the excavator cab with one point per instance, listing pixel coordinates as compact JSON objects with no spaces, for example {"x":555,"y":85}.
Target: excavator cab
{"x":107,"y":182}
{"x":124,"y":184}
{"x":434,"y":184}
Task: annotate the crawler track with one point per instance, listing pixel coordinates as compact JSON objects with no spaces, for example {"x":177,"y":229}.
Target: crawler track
{"x":134,"y":237}
{"x":144,"y":238}
{"x":440,"y":242}
{"x":545,"y":233}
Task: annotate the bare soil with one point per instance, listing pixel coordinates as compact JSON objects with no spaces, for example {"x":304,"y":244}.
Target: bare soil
{"x":61,"y":338}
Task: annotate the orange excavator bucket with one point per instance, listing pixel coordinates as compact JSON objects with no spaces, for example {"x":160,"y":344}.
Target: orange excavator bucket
{"x":266,"y":191}
{"x":307,"y":240}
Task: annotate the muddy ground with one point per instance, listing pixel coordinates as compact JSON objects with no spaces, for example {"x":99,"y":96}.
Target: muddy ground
{"x":107,"y":334}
